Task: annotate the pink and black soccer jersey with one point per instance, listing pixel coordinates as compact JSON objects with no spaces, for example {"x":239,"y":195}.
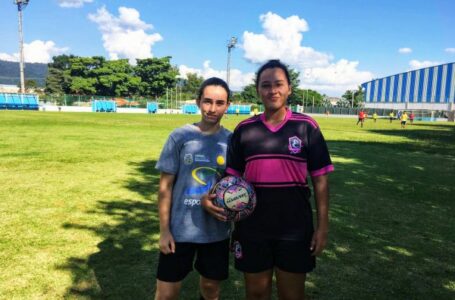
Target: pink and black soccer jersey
{"x":277,"y":161}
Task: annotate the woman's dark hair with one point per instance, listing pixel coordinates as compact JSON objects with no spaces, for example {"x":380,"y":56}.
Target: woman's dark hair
{"x":214,"y":81}
{"x":273,"y":63}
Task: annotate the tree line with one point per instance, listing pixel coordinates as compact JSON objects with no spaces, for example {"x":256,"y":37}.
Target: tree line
{"x":153,"y":78}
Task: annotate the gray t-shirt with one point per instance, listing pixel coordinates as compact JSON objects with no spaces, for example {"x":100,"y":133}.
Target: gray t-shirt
{"x":198,"y":161}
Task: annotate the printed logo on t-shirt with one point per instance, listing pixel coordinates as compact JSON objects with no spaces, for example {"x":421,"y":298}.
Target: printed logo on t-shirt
{"x":203,"y":179}
{"x":220,"y":160}
{"x":188,"y":159}
{"x":295,"y":145}
{"x":201,"y":158}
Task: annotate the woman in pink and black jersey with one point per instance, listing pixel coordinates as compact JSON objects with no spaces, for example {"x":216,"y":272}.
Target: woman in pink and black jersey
{"x":277,"y":152}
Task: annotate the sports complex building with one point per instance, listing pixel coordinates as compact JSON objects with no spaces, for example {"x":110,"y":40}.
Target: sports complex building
{"x":430,"y":89}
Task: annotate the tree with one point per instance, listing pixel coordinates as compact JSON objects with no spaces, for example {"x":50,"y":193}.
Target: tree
{"x":249,"y":94}
{"x":356,"y":94}
{"x":30,"y":85}
{"x":115,"y":78}
{"x":156,"y":75}
{"x":294,"y":98}
{"x":83,"y":86}
{"x":58,"y":79}
{"x":191,"y":84}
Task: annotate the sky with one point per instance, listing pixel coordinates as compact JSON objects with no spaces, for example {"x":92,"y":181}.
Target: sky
{"x":334,"y":45}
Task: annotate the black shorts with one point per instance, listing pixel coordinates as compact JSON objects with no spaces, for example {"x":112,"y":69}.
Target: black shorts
{"x":403,"y":122}
{"x":259,"y":256}
{"x":212,"y":261}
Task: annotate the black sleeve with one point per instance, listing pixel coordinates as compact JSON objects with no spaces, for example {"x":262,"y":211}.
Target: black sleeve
{"x":319,"y":162}
{"x":235,"y":159}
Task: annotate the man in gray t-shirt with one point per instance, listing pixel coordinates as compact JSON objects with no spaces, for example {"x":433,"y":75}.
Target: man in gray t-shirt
{"x":198,"y":161}
{"x":192,"y":161}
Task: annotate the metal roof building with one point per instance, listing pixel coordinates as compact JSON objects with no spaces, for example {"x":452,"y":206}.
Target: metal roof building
{"x":431,"y":88}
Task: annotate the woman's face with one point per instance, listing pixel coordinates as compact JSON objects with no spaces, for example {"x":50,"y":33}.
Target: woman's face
{"x":213,"y":104}
{"x":274,"y":89}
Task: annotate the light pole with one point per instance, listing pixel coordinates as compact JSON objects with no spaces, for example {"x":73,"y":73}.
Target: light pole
{"x":353,"y":94}
{"x":21,"y":4}
{"x":230,"y":45}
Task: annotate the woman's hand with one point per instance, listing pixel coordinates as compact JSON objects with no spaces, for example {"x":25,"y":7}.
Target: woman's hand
{"x":215,"y":211}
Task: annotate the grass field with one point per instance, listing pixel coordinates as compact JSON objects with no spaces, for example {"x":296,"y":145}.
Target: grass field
{"x":78,"y":215}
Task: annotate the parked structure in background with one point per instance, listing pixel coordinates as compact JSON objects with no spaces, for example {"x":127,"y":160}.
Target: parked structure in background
{"x":429,"y":89}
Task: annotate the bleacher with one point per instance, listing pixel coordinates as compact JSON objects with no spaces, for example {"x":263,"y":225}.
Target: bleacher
{"x":152,"y":107}
{"x":19,"y":101}
{"x":104,"y":106}
{"x":242,"y":109}
{"x":190,"y":109}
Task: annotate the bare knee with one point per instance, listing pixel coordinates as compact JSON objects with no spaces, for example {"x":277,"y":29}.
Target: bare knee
{"x":167,"y":290}
{"x":210,"y":289}
{"x":258,"y":286}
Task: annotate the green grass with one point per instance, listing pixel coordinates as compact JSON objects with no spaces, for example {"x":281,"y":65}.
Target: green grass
{"x":78,"y":215}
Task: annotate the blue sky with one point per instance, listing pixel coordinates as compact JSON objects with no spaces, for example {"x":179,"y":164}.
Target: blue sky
{"x":335,"y":45}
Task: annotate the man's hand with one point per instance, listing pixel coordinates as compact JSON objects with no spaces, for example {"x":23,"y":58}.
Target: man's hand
{"x":215,"y":211}
{"x":318,"y":242}
{"x":167,"y":244}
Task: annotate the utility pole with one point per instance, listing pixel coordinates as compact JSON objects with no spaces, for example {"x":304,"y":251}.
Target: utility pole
{"x":230,"y":45}
{"x":353,"y":93}
{"x":21,"y":4}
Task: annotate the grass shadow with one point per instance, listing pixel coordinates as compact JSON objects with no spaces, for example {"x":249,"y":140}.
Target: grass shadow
{"x":123,"y":266}
{"x":383,"y":243}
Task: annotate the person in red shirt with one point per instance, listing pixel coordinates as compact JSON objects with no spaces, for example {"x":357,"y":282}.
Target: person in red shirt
{"x":361,"y":118}
{"x":411,"y":118}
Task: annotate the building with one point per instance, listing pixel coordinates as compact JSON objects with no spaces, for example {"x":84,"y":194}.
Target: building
{"x":6,"y":88}
{"x":431,"y":88}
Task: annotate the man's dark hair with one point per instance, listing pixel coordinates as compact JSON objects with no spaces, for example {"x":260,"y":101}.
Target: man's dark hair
{"x":214,"y":81}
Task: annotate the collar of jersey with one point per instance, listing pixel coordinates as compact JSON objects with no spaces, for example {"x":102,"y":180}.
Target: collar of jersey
{"x":278,"y":126}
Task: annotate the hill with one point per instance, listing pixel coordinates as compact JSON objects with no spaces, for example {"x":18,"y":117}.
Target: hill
{"x":9,"y":72}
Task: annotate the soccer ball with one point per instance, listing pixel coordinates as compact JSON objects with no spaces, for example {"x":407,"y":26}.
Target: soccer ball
{"x":236,"y":196}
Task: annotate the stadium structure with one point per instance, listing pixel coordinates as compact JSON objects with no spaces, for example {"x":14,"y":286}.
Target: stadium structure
{"x":431,"y":89}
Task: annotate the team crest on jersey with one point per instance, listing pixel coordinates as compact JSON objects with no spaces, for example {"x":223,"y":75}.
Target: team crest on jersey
{"x":295,"y":145}
{"x":237,"y":248}
{"x":188,"y":159}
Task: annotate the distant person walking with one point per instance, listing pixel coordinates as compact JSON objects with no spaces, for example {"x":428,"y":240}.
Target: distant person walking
{"x":375,"y":117}
{"x":411,"y":117}
{"x":391,"y":116}
{"x":403,"y":119}
{"x":361,"y":118}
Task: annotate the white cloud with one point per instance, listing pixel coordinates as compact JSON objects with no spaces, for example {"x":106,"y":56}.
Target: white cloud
{"x":335,"y":78}
{"x":125,"y":36}
{"x":282,"y":39}
{"x":404,"y":50}
{"x":36,"y":52}
{"x":73,"y":3}
{"x":449,"y":50}
{"x":237,"y":79}
{"x":415,"y":64}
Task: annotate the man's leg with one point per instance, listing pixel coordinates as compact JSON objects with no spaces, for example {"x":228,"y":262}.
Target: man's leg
{"x":167,"y":290}
{"x":172,"y":269}
{"x":212,"y":263}
{"x":291,"y":286}
{"x":209,"y":288}
{"x":258,"y":286}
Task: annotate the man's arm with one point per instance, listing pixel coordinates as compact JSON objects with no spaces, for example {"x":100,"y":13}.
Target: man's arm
{"x":166,"y":243}
{"x":321,"y":195}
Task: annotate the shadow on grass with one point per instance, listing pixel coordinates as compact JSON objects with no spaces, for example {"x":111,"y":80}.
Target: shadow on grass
{"x":390,"y":236}
{"x":432,"y":138}
{"x":123,"y":266}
